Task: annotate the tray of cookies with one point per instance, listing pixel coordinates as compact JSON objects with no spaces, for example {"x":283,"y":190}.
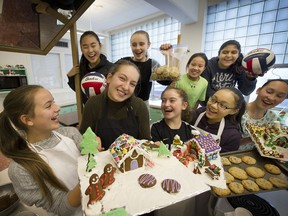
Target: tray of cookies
{"x":247,"y":172}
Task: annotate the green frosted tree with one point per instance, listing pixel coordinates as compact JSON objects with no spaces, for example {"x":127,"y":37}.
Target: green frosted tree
{"x":89,"y":146}
{"x":91,"y":163}
{"x":163,"y":150}
{"x":89,"y":143}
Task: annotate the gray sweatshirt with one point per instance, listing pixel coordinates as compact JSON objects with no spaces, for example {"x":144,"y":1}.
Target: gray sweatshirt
{"x":27,"y":189}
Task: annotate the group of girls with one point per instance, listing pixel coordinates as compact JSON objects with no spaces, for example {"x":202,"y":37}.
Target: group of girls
{"x":41,"y":150}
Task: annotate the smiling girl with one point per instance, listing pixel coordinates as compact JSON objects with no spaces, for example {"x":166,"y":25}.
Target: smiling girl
{"x":174,"y":107}
{"x":117,"y":110}
{"x":221,"y":117}
{"x":272,"y":93}
{"x":44,"y":155}
{"x":91,"y":60}
{"x":226,"y":70}
{"x":192,"y":83}
{"x":140,"y":43}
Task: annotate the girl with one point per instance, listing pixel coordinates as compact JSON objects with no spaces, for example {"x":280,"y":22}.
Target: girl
{"x":44,"y":155}
{"x":91,"y":60}
{"x":140,"y":43}
{"x":226,"y":70}
{"x":272,"y":93}
{"x":174,"y":107}
{"x":191,"y":82}
{"x":117,"y":110}
{"x":221,"y":117}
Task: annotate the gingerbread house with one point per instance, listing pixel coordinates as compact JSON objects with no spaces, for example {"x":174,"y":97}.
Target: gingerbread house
{"x":204,"y":147}
{"x":128,"y":153}
{"x":271,"y":139}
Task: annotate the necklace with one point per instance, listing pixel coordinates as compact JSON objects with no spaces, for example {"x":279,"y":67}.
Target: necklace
{"x":193,"y":83}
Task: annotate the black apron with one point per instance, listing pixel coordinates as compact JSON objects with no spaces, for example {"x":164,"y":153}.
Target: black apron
{"x":109,"y":129}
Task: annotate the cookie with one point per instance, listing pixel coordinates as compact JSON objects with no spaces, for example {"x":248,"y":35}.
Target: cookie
{"x":273,"y":169}
{"x":221,"y":192}
{"x":279,"y":183}
{"x":238,"y":173}
{"x":248,"y":160}
{"x":250,"y":185}
{"x":171,"y":185}
{"x":229,"y":178}
{"x":255,"y":172}
{"x":236,"y":187}
{"x":225,"y":161}
{"x":264,"y":184}
{"x":235,"y":160}
{"x":147,"y":180}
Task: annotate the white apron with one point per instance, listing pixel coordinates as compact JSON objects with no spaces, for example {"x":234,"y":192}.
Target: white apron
{"x":217,"y":136}
{"x":63,"y":161}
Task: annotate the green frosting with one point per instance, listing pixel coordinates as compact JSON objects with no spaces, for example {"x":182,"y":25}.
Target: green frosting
{"x":116,"y":212}
{"x":163,"y":150}
{"x":89,"y":143}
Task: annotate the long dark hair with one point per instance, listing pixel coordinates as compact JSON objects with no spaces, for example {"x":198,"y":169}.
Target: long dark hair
{"x":13,"y":144}
{"x":202,"y":55}
{"x":83,"y":61}
{"x":237,"y":65}
{"x":272,"y":80}
{"x":240,"y":104}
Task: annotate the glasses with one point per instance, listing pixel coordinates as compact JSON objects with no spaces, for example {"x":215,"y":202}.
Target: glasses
{"x":220,"y":105}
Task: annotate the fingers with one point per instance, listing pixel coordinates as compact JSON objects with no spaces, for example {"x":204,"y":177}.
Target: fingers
{"x":166,"y":46}
{"x":100,"y":148}
{"x":74,"y":70}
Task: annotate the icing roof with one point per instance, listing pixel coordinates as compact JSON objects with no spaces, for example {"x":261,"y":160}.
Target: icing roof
{"x":208,"y":143}
{"x":124,"y":146}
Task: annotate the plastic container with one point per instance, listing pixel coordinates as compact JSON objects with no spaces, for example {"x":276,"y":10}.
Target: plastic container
{"x":170,"y":70}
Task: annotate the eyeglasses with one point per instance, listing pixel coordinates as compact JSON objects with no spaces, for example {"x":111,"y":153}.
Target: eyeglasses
{"x":220,"y":105}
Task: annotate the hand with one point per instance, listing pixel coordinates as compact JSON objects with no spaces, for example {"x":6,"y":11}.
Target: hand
{"x":166,"y":46}
{"x":250,"y":76}
{"x":157,"y":143}
{"x":74,"y":70}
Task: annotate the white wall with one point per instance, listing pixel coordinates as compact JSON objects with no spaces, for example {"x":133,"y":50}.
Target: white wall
{"x":191,"y":34}
{"x":62,"y":96}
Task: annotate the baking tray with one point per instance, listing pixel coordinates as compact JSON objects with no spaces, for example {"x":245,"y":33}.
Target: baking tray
{"x":260,"y":164}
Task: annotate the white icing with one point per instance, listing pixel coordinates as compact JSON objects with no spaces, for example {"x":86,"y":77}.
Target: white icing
{"x":126,"y":191}
{"x":195,"y":132}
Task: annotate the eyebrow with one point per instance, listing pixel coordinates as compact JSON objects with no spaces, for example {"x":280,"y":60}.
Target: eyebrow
{"x":221,"y":101}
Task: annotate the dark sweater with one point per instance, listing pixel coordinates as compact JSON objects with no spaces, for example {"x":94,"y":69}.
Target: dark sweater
{"x":160,"y":131}
{"x":218,"y":78}
{"x":116,"y":110}
{"x":231,"y":136}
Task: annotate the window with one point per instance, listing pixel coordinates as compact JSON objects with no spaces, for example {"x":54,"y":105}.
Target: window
{"x":164,"y":30}
{"x":44,"y":68}
{"x":261,"y":23}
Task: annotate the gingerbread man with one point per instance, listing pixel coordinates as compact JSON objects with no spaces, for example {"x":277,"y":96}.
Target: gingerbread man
{"x":94,"y":190}
{"x":107,"y":178}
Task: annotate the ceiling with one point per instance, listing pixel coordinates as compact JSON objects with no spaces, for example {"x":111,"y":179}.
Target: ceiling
{"x":104,"y":16}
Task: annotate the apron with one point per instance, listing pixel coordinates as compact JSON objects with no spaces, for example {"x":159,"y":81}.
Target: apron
{"x":63,"y":161}
{"x":217,"y":136}
{"x":109,"y":129}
